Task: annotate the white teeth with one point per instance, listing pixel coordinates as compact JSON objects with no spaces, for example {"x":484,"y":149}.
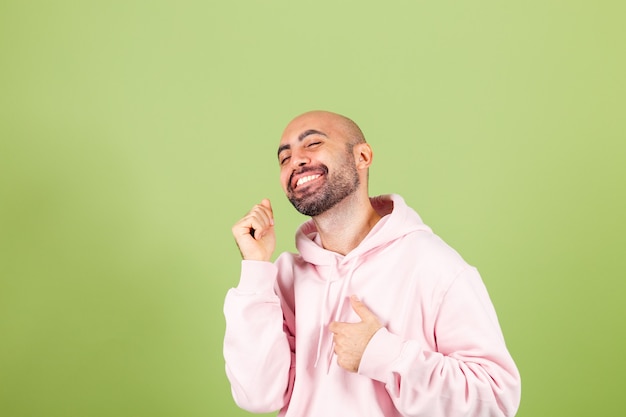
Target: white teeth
{"x":306,"y":179}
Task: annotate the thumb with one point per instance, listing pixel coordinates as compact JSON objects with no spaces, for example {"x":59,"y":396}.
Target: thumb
{"x":361,"y":309}
{"x":267,"y":204}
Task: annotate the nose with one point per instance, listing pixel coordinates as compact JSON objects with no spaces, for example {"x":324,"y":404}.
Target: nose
{"x":299,"y":159}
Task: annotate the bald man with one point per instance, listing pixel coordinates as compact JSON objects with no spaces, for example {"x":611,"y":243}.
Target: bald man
{"x":374,"y":316}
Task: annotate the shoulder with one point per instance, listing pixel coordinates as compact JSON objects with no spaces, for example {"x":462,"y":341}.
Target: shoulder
{"x":427,"y":246}
{"x":287,"y":260}
{"x":434,"y":260}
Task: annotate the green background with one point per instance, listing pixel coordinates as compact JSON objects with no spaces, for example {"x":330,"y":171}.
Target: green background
{"x":133,"y":134}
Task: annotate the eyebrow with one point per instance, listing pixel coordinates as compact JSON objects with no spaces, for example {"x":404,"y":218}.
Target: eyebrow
{"x":301,"y":138}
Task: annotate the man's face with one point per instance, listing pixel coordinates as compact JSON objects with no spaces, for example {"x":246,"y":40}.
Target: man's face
{"x":317,"y":168}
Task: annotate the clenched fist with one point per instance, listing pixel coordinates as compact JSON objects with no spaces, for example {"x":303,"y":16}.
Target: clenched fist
{"x":254,"y":233}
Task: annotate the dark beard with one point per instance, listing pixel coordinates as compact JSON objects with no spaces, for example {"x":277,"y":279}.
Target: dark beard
{"x":336,"y":188}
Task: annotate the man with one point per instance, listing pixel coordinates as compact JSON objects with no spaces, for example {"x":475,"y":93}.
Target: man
{"x":375,"y":316}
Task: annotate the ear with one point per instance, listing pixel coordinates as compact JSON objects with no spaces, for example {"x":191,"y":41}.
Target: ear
{"x":363,"y":155}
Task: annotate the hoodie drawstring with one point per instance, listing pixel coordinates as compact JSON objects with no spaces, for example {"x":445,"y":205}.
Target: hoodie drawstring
{"x":322,"y":319}
{"x":342,"y":299}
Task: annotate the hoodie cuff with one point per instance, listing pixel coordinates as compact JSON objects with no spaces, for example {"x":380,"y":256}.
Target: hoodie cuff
{"x":381,"y":351}
{"x":257,"y":277}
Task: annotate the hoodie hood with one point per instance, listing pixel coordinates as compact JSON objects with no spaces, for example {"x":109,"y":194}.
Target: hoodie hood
{"x":397,"y":220}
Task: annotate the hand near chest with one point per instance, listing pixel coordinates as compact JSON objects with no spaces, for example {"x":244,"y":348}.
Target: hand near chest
{"x":351,"y":339}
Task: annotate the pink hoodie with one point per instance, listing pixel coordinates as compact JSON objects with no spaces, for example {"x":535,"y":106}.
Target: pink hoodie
{"x":441,"y":351}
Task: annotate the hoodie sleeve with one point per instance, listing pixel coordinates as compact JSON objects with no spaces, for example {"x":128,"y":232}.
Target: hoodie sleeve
{"x":470,"y":373}
{"x":258,"y":348}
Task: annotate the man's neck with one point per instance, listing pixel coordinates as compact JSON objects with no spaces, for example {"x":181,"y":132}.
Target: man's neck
{"x":343,"y":227}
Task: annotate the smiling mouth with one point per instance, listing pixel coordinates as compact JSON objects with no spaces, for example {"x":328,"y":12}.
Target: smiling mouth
{"x":306,"y":179}
{"x":305,"y":176}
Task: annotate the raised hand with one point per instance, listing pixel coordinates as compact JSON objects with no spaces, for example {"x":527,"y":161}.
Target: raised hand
{"x":254,"y":233}
{"x":351,"y":339}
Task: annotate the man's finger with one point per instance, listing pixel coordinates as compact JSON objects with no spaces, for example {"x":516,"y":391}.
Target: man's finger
{"x":268,"y":205}
{"x":259,"y":220}
{"x":259,"y":224}
{"x":361,"y":309}
{"x":334,"y":327}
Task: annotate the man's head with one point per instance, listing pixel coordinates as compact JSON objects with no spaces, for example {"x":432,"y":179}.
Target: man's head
{"x":323,"y":159}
